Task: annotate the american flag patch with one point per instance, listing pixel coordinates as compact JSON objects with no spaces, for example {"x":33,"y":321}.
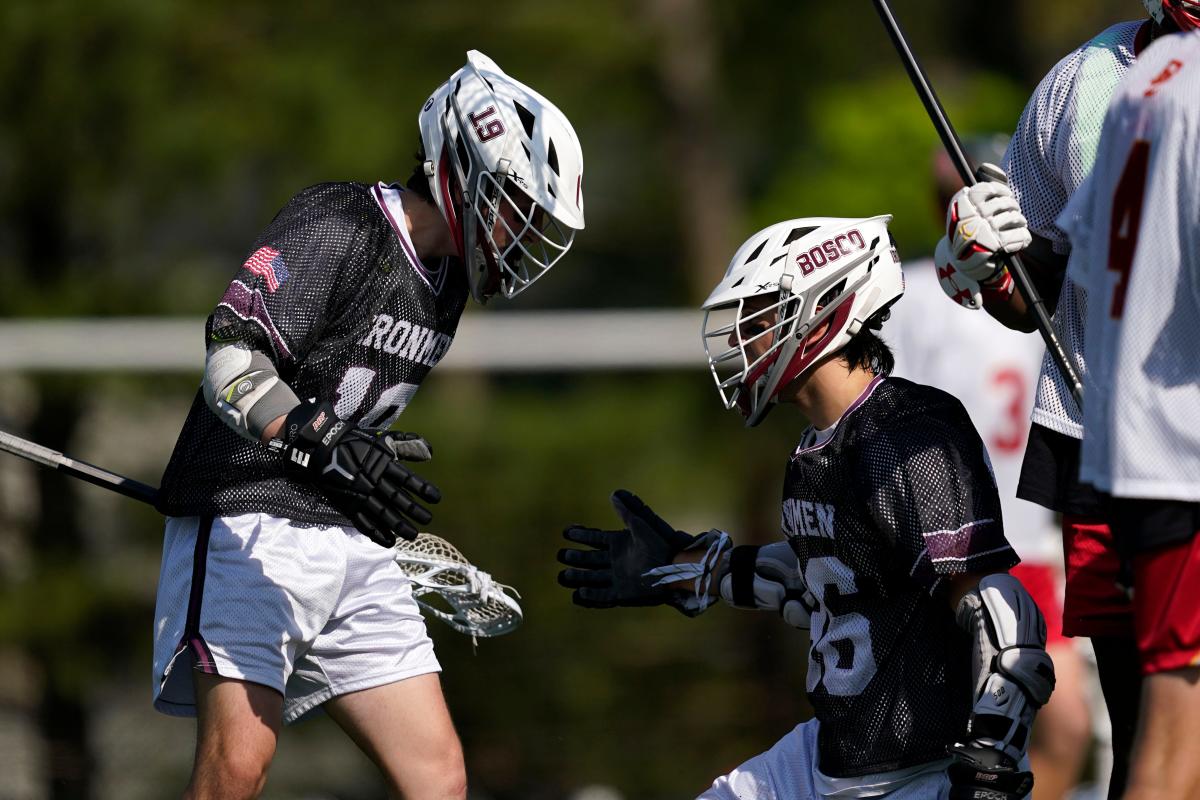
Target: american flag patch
{"x":267,"y":263}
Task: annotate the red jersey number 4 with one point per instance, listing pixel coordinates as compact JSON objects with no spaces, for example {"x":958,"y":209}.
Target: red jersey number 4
{"x":1126,"y":221}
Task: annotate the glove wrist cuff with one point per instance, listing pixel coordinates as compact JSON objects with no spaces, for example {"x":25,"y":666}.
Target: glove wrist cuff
{"x":999,"y":285}
{"x":311,"y":428}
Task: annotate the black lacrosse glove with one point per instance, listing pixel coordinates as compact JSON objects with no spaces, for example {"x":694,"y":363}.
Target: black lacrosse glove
{"x":613,"y":573}
{"x":359,"y":472}
{"x":985,"y":773}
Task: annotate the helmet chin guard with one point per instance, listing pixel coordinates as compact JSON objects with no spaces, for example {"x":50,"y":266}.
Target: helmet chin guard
{"x":794,"y":294}
{"x":506,"y":172}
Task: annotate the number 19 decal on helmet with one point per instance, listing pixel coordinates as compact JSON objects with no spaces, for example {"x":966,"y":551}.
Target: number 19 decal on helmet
{"x":506,"y":171}
{"x":793,"y":294}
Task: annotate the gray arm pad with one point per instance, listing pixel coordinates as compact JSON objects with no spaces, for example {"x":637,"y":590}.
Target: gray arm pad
{"x":242,"y":387}
{"x":767,"y":578}
{"x":1009,"y":634}
{"x":1014,"y":675}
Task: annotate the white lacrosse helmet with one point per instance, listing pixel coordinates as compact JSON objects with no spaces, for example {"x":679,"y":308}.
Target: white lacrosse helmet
{"x":808,"y":271}
{"x":506,"y":171}
{"x":1185,"y":13}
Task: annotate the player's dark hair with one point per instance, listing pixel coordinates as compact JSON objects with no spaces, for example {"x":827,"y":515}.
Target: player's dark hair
{"x":867,"y":351}
{"x":418,"y":182}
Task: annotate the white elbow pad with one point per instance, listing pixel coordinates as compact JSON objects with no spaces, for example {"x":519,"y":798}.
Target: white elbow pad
{"x":768,"y":578}
{"x":242,"y":387}
{"x":1014,"y":675}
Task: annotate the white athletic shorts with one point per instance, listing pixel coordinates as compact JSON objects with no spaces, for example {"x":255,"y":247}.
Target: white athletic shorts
{"x":788,"y":771}
{"x":310,"y":612}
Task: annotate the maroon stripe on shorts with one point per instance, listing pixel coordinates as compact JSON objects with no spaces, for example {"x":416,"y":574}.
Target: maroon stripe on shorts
{"x":192,"y":640}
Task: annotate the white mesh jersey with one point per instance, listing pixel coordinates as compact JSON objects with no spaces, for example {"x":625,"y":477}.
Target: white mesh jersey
{"x":1051,"y":153}
{"x":1136,"y":225}
{"x":993,"y":372}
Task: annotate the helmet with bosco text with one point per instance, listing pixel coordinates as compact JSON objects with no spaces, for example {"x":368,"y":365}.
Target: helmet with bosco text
{"x":506,"y":171}
{"x":793,"y":294}
{"x":1184,"y":13}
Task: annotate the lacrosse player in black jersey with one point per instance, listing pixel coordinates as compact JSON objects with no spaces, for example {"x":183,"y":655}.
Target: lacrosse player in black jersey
{"x":927,"y":660}
{"x":285,"y":492}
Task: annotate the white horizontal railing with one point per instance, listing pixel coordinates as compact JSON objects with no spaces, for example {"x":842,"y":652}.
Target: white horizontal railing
{"x":530,"y":341}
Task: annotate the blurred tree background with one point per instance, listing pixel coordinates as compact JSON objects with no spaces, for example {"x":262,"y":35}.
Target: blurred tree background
{"x":144,"y":144}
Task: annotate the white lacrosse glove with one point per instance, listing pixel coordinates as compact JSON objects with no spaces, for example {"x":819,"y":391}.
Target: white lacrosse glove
{"x":768,"y":578}
{"x":957,"y":286}
{"x":981,"y":221}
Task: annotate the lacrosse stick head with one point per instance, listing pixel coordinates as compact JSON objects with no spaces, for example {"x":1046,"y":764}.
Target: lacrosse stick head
{"x":448,"y":586}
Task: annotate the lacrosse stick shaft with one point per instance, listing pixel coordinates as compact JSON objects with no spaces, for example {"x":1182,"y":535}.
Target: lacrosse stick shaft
{"x":77,"y":469}
{"x":953,"y":145}
{"x":494,"y":613}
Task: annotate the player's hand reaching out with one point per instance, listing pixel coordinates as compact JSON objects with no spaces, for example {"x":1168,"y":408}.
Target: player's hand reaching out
{"x":359,"y":472}
{"x":635,"y":566}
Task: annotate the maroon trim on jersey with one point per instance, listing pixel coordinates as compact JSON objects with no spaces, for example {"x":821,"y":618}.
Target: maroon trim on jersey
{"x":862,"y":398}
{"x":250,"y":306}
{"x":192,"y":640}
{"x":1143,"y":37}
{"x":406,"y":243}
{"x":971,"y":540}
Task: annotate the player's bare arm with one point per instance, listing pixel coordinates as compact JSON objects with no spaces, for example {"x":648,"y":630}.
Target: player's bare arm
{"x":1046,"y":270}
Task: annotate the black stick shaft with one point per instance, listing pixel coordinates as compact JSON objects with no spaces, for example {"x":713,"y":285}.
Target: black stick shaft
{"x":946,"y":132}
{"x":77,"y":469}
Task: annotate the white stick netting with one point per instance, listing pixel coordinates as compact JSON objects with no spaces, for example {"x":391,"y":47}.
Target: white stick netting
{"x":451,"y":588}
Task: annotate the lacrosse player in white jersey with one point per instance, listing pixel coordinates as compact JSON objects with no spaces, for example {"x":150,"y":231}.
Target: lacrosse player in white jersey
{"x":927,"y":661}
{"x":279,"y":592}
{"x":1052,"y":152}
{"x":1135,"y":231}
{"x":993,"y":371}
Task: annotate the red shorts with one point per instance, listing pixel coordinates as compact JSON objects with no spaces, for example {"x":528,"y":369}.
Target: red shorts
{"x":1166,"y":606}
{"x":1043,"y":582}
{"x":1095,"y":605}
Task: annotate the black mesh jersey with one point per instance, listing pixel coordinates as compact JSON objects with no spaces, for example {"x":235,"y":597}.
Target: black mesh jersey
{"x":333,"y":293}
{"x":899,"y":496}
